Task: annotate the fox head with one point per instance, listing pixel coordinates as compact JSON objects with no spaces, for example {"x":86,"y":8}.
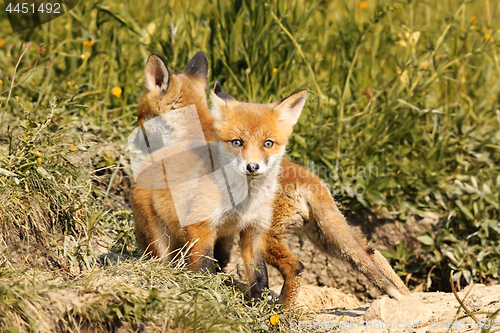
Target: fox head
{"x":165,"y":91}
{"x":256,"y":134}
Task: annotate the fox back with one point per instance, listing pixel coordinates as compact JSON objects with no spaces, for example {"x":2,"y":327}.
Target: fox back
{"x":156,"y":222}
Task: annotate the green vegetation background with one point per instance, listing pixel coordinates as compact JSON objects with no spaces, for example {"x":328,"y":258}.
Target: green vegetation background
{"x":407,"y":89}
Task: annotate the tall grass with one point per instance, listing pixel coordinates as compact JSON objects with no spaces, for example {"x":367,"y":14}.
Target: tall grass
{"x":405,"y":89}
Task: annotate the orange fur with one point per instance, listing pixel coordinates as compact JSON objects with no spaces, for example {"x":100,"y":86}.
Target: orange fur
{"x":303,"y":203}
{"x":204,"y":237}
{"x":262,"y":132}
{"x":156,"y":225}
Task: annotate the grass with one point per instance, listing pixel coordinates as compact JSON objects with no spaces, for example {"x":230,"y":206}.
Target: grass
{"x":402,"y":118}
{"x":130,"y":295}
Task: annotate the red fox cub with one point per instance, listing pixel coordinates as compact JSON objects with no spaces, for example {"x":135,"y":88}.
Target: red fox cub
{"x":302,"y":203}
{"x":246,"y":143}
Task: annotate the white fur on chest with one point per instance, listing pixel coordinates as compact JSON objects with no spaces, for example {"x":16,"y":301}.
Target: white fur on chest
{"x":255,"y":210}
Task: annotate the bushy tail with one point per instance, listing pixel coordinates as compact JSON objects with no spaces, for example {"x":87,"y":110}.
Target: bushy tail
{"x":328,"y":230}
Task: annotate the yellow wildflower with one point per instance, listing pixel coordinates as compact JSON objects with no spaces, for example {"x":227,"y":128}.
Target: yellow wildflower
{"x":43,"y":103}
{"x":275,"y":319}
{"x":1,"y":81}
{"x":72,"y":148}
{"x":116,"y":91}
{"x":2,"y":42}
{"x":275,"y":70}
{"x":88,"y":44}
{"x":487,"y":33}
{"x":68,"y":83}
{"x":473,"y":20}
{"x":76,"y":86}
{"x":363,"y":4}
{"x":39,"y":160}
{"x":32,"y":83}
{"x":2,"y":178}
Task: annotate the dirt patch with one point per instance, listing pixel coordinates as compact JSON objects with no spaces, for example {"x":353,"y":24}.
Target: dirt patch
{"x":418,"y":312}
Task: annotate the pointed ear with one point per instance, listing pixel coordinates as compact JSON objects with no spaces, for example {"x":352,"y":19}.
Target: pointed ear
{"x":198,"y":67}
{"x":220,"y":101}
{"x":157,"y":75}
{"x":222,"y":95}
{"x":289,"y":108}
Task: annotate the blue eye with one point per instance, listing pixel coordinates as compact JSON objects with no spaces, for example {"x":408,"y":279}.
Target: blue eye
{"x":268,"y":143}
{"x":237,"y":143}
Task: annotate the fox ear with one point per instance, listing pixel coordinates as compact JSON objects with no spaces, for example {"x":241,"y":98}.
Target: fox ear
{"x":221,"y":94}
{"x":220,"y":101}
{"x":289,"y":108}
{"x":198,"y":67}
{"x":157,"y":75}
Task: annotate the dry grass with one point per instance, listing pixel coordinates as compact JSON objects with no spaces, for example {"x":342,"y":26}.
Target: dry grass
{"x":57,"y":272}
{"x":133,"y":294}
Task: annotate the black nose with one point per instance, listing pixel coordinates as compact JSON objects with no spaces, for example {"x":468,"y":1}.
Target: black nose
{"x":252,"y":167}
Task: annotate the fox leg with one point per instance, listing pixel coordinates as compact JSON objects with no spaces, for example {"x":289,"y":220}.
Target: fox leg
{"x":382,"y":264}
{"x":153,"y":236}
{"x":279,"y":255}
{"x":202,"y":237}
{"x":252,"y":246}
{"x":222,"y":251}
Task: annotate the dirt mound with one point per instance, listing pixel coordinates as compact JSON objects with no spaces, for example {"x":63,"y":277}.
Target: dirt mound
{"x":418,"y":312}
{"x":314,"y":298}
